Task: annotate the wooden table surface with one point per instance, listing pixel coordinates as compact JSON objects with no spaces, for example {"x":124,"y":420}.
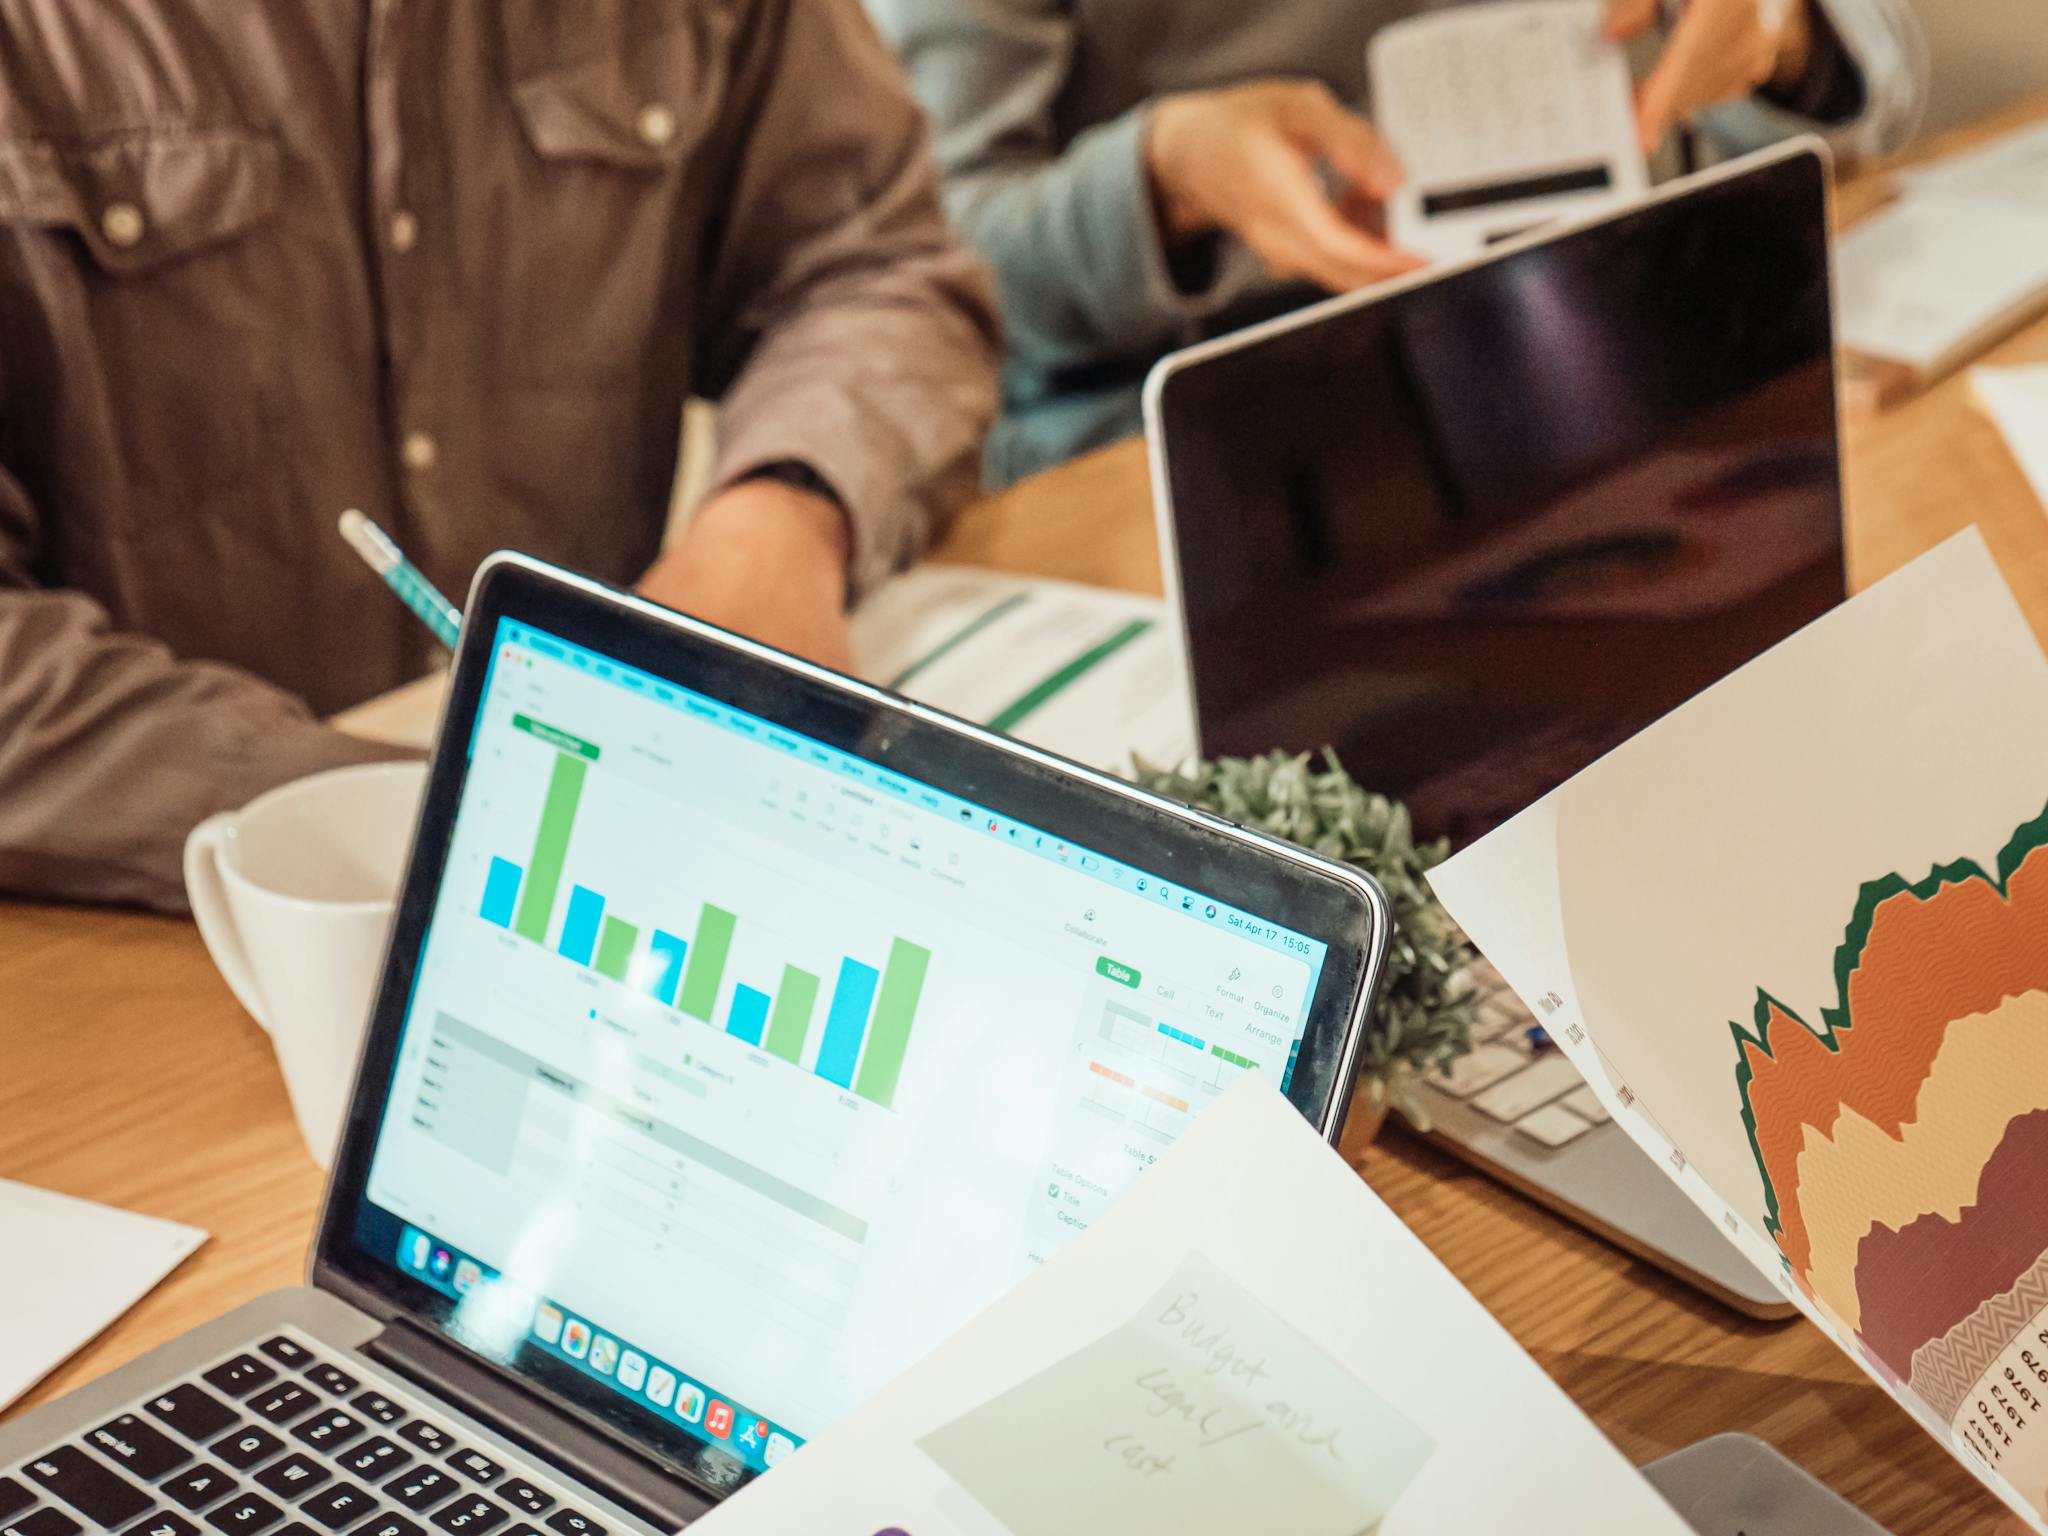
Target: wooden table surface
{"x":129,"y":1075}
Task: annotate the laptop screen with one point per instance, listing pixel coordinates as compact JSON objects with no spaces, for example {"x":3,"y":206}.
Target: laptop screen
{"x":1479,"y":531}
{"x":738,"y":1070}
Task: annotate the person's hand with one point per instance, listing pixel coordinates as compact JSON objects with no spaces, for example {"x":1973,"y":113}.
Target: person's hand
{"x":1244,"y":160}
{"x":767,"y":560}
{"x":1720,"y":51}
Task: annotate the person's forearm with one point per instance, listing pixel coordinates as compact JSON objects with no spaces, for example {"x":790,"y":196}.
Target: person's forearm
{"x":111,"y":751}
{"x":855,"y":333}
{"x":1087,"y":253}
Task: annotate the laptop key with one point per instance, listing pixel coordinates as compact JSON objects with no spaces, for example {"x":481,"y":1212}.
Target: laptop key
{"x":131,"y":1441}
{"x":375,"y":1405}
{"x":428,"y":1437}
{"x":422,"y":1488}
{"x":330,"y":1431}
{"x":289,"y":1353}
{"x":570,"y":1523}
{"x":14,"y":1498}
{"x":476,"y":1466}
{"x":240,"y":1376}
{"x":164,"y":1524}
{"x":282,"y":1403}
{"x":244,"y":1447}
{"x":294,"y":1477}
{"x":245,"y":1515}
{"x":47,"y":1521}
{"x":191,"y":1411}
{"x":89,"y":1486}
{"x":374,"y":1460}
{"x":200,"y":1486}
{"x":533,"y":1500}
{"x":342,"y":1505}
{"x":471,"y":1515}
{"x":388,"y":1524}
{"x":332,"y":1379}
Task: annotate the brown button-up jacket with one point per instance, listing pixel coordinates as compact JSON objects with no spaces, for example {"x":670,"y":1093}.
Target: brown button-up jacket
{"x":455,"y":262}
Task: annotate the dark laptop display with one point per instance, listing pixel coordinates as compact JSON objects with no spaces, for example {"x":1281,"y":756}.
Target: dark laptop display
{"x":1478,"y":532}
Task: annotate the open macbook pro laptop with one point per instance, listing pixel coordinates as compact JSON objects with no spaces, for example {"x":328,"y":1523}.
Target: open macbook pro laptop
{"x":1478,"y":528}
{"x":743,"y":1032}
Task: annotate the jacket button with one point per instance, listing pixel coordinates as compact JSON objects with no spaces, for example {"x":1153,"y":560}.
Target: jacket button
{"x":122,"y":224}
{"x":656,"y":125}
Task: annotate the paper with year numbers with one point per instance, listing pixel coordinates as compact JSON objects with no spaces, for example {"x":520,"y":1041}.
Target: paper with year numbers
{"x":1199,"y":1411}
{"x":1795,"y":937}
{"x":1333,"y":1289}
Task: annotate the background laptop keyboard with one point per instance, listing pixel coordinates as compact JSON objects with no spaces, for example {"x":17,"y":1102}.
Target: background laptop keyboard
{"x":1514,"y":1075}
{"x":276,"y":1441}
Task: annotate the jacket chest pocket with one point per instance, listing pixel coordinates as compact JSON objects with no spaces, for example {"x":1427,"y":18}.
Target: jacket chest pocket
{"x":143,"y":273}
{"x":615,"y":100}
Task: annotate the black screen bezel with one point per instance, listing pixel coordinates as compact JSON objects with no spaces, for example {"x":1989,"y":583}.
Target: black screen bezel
{"x":1195,"y":852}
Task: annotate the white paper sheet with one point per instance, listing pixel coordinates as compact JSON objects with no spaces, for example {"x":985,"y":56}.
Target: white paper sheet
{"x":2013,"y":167}
{"x":1796,"y":937}
{"x":2016,"y":400}
{"x":1342,"y":1291}
{"x":70,"y":1268}
{"x":1927,"y":279}
{"x":1089,"y":673}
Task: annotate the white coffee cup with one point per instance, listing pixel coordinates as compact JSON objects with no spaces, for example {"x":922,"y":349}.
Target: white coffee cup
{"x":294,"y":895}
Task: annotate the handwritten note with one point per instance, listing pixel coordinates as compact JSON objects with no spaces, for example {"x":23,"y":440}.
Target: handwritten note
{"x":1204,"y":1413}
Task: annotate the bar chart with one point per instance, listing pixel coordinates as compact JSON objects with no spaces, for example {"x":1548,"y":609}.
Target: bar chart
{"x":858,"y":1040}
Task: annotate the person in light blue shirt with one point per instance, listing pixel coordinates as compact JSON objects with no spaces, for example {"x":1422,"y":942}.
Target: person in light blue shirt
{"x":1144,"y":173}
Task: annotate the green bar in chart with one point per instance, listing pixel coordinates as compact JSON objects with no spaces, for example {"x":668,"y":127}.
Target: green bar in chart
{"x":791,"y":1021}
{"x":706,"y":966}
{"x":615,"y":948}
{"x":889,"y":1035}
{"x":550,"y":848}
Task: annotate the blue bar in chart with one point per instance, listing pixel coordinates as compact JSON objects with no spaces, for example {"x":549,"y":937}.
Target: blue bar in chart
{"x":501,"y":890}
{"x":847,"y":1022}
{"x":579,"y":928}
{"x":747,"y":1017}
{"x":669,"y":950}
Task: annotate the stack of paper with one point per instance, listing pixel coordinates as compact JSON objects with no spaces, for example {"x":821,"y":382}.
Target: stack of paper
{"x":77,"y":1267}
{"x":2016,"y":400}
{"x":1796,"y":937}
{"x":1960,"y":260}
{"x":1248,"y":1341}
{"x":2012,"y":169}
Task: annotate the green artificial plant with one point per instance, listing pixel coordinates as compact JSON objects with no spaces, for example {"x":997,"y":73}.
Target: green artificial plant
{"x":1426,"y":1009}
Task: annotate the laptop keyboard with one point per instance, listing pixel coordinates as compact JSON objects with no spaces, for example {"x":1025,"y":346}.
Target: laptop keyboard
{"x":274,"y":1441}
{"x":1514,"y":1075}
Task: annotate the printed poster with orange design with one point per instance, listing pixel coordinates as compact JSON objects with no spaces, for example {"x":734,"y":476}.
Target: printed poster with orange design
{"x":1796,"y":937}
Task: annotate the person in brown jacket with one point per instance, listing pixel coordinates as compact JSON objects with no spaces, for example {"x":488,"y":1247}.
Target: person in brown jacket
{"x":457,"y":263}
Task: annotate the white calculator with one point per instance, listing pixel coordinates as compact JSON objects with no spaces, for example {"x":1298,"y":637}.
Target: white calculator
{"x":1507,"y":117}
